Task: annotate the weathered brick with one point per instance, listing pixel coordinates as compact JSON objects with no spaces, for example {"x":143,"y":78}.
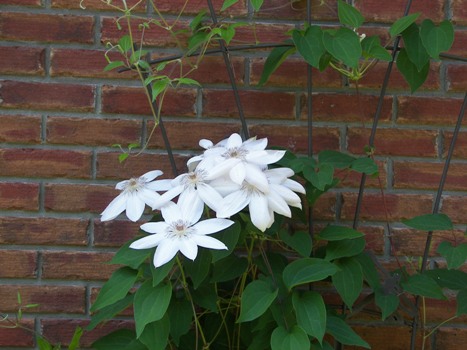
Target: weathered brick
{"x":46,"y":27}
{"x":129,"y":100}
{"x":460,"y":148}
{"x":256,"y":104}
{"x":325,"y":207}
{"x":395,"y":207}
{"x":293,"y":73}
{"x":278,"y":9}
{"x":428,"y":110}
{"x":51,"y":299}
{"x":92,"y":132}
{"x":261,"y":32}
{"x":353,"y":179}
{"x":45,"y":163}
{"x":457,"y":77}
{"x":18,"y":337}
{"x":451,"y":338}
{"x":86,"y":198}
{"x":77,"y":265}
{"x":459,"y":46}
{"x":19,"y":196}
{"x":459,"y":12}
{"x":427,"y":175}
{"x":395,"y":142}
{"x":37,"y":96}
{"x":348,"y":108}
{"x":18,"y":264}
{"x":99,"y":5}
{"x":194,"y":7}
{"x":19,"y":60}
{"x":20,"y":129}
{"x":377,"y":336}
{"x":114,"y":233}
{"x":455,"y":207}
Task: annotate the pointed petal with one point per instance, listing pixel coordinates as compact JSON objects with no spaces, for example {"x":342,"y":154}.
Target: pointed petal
{"x":166,"y":197}
{"x":237,"y":173}
{"x":287,"y":194}
{"x":234,"y":140}
{"x":209,"y":195}
{"x":171,"y":212}
{"x":256,"y":177}
{"x":159,"y":227}
{"x":191,"y":206}
{"x":294,"y":186}
{"x":121,"y":185}
{"x":264,"y":157}
{"x":233,"y":203}
{"x":277,"y":175}
{"x":151,"y":175}
{"x":188,"y":248}
{"x":222,"y":168}
{"x":278,"y":204}
{"x":206,"y":227}
{"x":209,"y":242}
{"x":193,"y":162}
{"x":160,"y":185}
{"x":148,"y":196}
{"x":224,"y":186}
{"x":134,"y":207}
{"x":259,"y":212}
{"x":166,"y":250}
{"x":114,"y":208}
{"x":252,"y":144}
{"x":147,"y":242}
{"x":205,"y":143}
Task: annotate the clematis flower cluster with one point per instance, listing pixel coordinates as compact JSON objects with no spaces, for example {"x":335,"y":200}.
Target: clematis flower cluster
{"x":228,"y":177}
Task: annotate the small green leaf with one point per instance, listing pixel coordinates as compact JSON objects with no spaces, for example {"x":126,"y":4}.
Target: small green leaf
{"x":257,"y":4}
{"x":110,"y":311}
{"x":255,"y":300}
{"x":227,"y":33}
{"x":455,"y":256}
{"x":337,"y":159}
{"x":196,"y":22}
{"x":409,"y":71}
{"x":388,"y":303}
{"x":156,"y":334}
{"x":372,"y":48}
{"x":310,"y":44}
{"x":43,"y":344}
{"x":342,"y":332}
{"x":402,"y":24}
{"x":423,"y":285}
{"x":349,"y":15}
{"x":159,"y":86}
{"x":461,"y":302}
{"x":311,"y":313}
{"x":74,"y":343}
{"x":300,"y":241}
{"x":159,"y":273}
{"x":307,"y":270}
{"x":430,"y":222}
{"x":227,"y":4}
{"x":364,"y":165}
{"x":337,"y":233}
{"x":320,"y":177}
{"x":436,"y":39}
{"x":293,"y":339}
{"x":187,"y":81}
{"x":274,"y":60}
{"x":344,"y":248}
{"x":125,"y":43}
{"x":414,"y":47}
{"x":113,"y":65}
{"x":370,"y":273}
{"x":349,"y":280}
{"x":344,"y":46}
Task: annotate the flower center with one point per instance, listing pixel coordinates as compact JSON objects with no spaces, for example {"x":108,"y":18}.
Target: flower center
{"x":236,"y":152}
{"x":194,"y":178}
{"x":134,"y":185}
{"x":179,"y":229}
{"x":250,"y":189}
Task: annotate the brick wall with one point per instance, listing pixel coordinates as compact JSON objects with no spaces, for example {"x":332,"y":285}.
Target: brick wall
{"x":60,"y":114}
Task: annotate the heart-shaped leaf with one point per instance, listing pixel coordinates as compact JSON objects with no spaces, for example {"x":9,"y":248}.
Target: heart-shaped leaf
{"x":436,"y":39}
{"x":344,"y":45}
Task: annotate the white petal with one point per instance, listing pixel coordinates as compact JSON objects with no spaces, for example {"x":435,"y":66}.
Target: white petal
{"x":222,"y":168}
{"x":121,"y":185}
{"x":166,"y":250}
{"x":237,"y":173}
{"x":159,"y":185}
{"x":256,"y":177}
{"x":159,"y":227}
{"x":188,"y":248}
{"x":209,"y":195}
{"x":171,"y":212}
{"x":278,"y":204}
{"x":277,"y":175}
{"x":252,"y":144}
{"x":193,"y":162}
{"x":206,"y":227}
{"x":134,"y":207}
{"x":234,"y":140}
{"x":205,"y":143}
{"x":115,"y":207}
{"x":224,"y":186}
{"x":166,"y":197}
{"x":148,"y":196}
{"x":208,"y":242}
{"x":151,"y":175}
{"x":191,"y":206}
{"x":259,"y":212}
{"x":294,"y":186}
{"x":233,"y":203}
{"x":147,"y":242}
{"x":287,"y":194}
{"x":264,"y":157}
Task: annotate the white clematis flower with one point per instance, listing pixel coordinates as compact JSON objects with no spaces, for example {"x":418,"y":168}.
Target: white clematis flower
{"x":180,"y":231}
{"x":136,"y":193}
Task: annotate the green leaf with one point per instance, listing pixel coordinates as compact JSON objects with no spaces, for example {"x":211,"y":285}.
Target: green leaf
{"x":257,"y":4}
{"x":274,"y":60}
{"x":324,"y":346}
{"x":409,"y":71}
{"x":461,"y":302}
{"x":130,"y":257}
{"x":116,"y":288}
{"x":227,"y":33}
{"x":349,"y":280}
{"x":227,"y":4}
{"x":423,"y":285}
{"x":388,"y":303}
{"x":349,"y":15}
{"x":430,"y":222}
{"x":364,"y":165}
{"x":344,"y":248}
{"x":181,"y":314}
{"x":205,"y":296}
{"x":370,"y":273}
{"x":229,"y":237}
{"x":455,"y":256}
{"x":198,"y":269}
{"x":123,"y":339}
{"x":159,"y":86}
{"x":452,"y":279}
{"x":255,"y":300}
{"x":110,"y":311}
{"x":310,"y":44}
{"x":436,"y":39}
{"x":228,"y":268}
{"x":125,"y":43}
{"x":414,"y":47}
{"x":337,"y":159}
{"x":300,"y":241}
{"x":74,"y":343}
{"x":372,"y":48}
{"x":311,"y":313}
{"x":402,"y":24}
{"x":187,"y":81}
{"x":342,"y":332}
{"x":159,"y":273}
{"x":344,"y":46}
{"x":43,"y":344}
{"x":156,"y":334}
{"x":307,"y":270}
{"x":150,"y":305}
{"x":196,"y":22}
{"x":320,"y":177}
{"x":294,"y":339}
{"x":113,"y":65}
{"x":337,"y":233}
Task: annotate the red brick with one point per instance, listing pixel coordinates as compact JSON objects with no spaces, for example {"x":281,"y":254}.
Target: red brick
{"x":459,"y":12}
{"x":43,"y":231}
{"x":293,"y":73}
{"x":130,"y":100}
{"x":455,"y":207}
{"x":45,"y":163}
{"x":109,"y":167}
{"x":377,"y":336}
{"x":460,"y":148}
{"x":451,"y":338}
{"x":81,"y":266}
{"x":86,"y":198}
{"x":18,"y":60}
{"x":193,"y":7}
{"x":20,"y":129}
{"x":325,"y":207}
{"x":278,"y":9}
{"x":92,"y":131}
{"x":295,"y":137}
{"x":32,"y":3}
{"x":459,"y":46}
{"x":261,"y":33}
{"x":457,"y":77}
{"x":19,"y":196}
{"x":98,"y":5}
{"x":16,"y":94}
{"x":440,"y":310}
{"x":45,"y":27}
{"x":427,"y":175}
{"x":395,"y":142}
{"x":351,"y":108}
{"x":18,"y":264}
{"x":428,"y":110}
{"x":62,"y":330}
{"x":256,"y":104}
{"x":388,"y":12}
{"x":114,"y":233}
{"x":396,"y":206}
{"x":18,"y":336}
{"x":353,"y":179}
{"x":51,"y":299}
